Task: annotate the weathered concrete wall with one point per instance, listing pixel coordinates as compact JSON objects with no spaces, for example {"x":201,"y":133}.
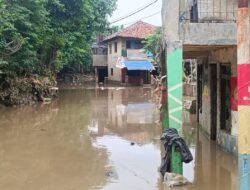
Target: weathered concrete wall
{"x":170,"y":19}
{"x":208,"y":33}
{"x":176,"y":24}
{"x":174,"y":57}
{"x":217,"y":21}
{"x":225,"y":56}
{"x":185,"y":7}
{"x":206,"y":101}
{"x":228,"y":141}
{"x":229,"y":56}
{"x":112,"y":60}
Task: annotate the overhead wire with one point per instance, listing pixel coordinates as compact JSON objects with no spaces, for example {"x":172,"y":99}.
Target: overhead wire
{"x":143,"y":18}
{"x":134,"y":12}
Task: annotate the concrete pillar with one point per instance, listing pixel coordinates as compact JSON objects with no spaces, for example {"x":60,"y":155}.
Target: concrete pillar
{"x":175,"y":84}
{"x":175,"y":96}
{"x":243,"y":60}
{"x":174,"y":58}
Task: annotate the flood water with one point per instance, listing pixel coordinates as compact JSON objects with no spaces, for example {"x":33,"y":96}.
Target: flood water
{"x":105,"y":139}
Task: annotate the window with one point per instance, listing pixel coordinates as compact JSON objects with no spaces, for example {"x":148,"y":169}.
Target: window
{"x":134,"y":44}
{"x":128,"y":45}
{"x":194,"y":13}
{"x":110,"y":48}
{"x":111,"y":71}
{"x":138,"y":45}
{"x":115,"y":47}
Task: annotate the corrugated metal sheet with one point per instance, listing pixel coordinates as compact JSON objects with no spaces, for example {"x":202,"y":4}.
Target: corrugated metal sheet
{"x":139,"y":65}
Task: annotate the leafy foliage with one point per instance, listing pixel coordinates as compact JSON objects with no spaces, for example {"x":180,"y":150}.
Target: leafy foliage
{"x":45,"y":36}
{"x":153,"y":44}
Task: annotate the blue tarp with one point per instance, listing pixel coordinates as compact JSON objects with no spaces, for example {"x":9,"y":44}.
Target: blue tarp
{"x":139,"y":65}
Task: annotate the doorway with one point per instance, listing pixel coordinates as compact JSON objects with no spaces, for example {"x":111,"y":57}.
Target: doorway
{"x":145,"y":77}
{"x":199,"y":90}
{"x":102,"y":73}
{"x":225,"y":83}
{"x":213,"y":85}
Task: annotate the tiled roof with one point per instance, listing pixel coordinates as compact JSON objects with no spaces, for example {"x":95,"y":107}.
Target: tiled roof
{"x":139,"y":30}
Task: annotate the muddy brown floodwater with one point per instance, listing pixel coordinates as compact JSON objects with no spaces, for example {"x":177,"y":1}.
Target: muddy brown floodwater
{"x":100,"y":139}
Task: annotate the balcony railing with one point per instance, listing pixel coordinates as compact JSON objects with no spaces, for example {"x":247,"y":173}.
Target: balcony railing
{"x":100,"y":60}
{"x":208,"y":11}
{"x":136,"y":54}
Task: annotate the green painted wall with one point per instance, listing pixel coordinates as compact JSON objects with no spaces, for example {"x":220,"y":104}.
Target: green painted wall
{"x":173,"y":119}
{"x":175,"y":91}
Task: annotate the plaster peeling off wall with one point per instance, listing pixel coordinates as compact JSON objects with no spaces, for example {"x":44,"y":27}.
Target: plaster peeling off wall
{"x":234,"y":106}
{"x":234,"y":131}
{"x":206,"y":105}
{"x":112,"y":61}
{"x":228,"y":142}
{"x":229,"y":56}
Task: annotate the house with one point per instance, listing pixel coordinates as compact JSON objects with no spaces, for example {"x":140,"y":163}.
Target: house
{"x":216,"y":33}
{"x":99,"y":52}
{"x":127,"y":62}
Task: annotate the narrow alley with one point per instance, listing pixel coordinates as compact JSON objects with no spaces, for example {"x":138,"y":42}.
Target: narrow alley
{"x":101,"y":139}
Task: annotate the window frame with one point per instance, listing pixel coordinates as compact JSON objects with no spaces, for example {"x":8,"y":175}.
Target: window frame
{"x":116,"y":47}
{"x":110,"y":48}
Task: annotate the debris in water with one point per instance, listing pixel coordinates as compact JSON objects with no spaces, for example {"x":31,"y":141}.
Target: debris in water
{"x":46,"y":100}
{"x":110,"y":172}
{"x":173,"y":180}
{"x":171,"y":138}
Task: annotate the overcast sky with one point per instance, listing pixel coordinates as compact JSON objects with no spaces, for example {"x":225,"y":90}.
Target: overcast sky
{"x":124,"y":7}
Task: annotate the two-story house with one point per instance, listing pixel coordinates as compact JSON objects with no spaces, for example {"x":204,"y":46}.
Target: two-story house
{"x":127,"y":62}
{"x":99,"y":52}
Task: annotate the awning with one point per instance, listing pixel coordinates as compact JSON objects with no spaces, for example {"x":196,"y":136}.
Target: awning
{"x":139,"y":65}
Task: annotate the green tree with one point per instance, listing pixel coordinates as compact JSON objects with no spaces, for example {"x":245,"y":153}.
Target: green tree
{"x":76,"y":24}
{"x":23,"y":25}
{"x":44,"y":36}
{"x":153,"y":44}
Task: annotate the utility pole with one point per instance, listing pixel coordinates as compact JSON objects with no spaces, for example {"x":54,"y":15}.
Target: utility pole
{"x":243,"y":59}
{"x":174,"y":58}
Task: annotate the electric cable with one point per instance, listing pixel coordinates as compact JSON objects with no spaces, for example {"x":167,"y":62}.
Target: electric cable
{"x":133,"y":12}
{"x":143,"y":18}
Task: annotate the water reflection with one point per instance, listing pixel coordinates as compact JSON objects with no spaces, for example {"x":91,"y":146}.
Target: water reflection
{"x":127,"y":126}
{"x":212,"y":168}
{"x":100,"y":139}
{"x":48,"y":147}
{"x":133,"y":118}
